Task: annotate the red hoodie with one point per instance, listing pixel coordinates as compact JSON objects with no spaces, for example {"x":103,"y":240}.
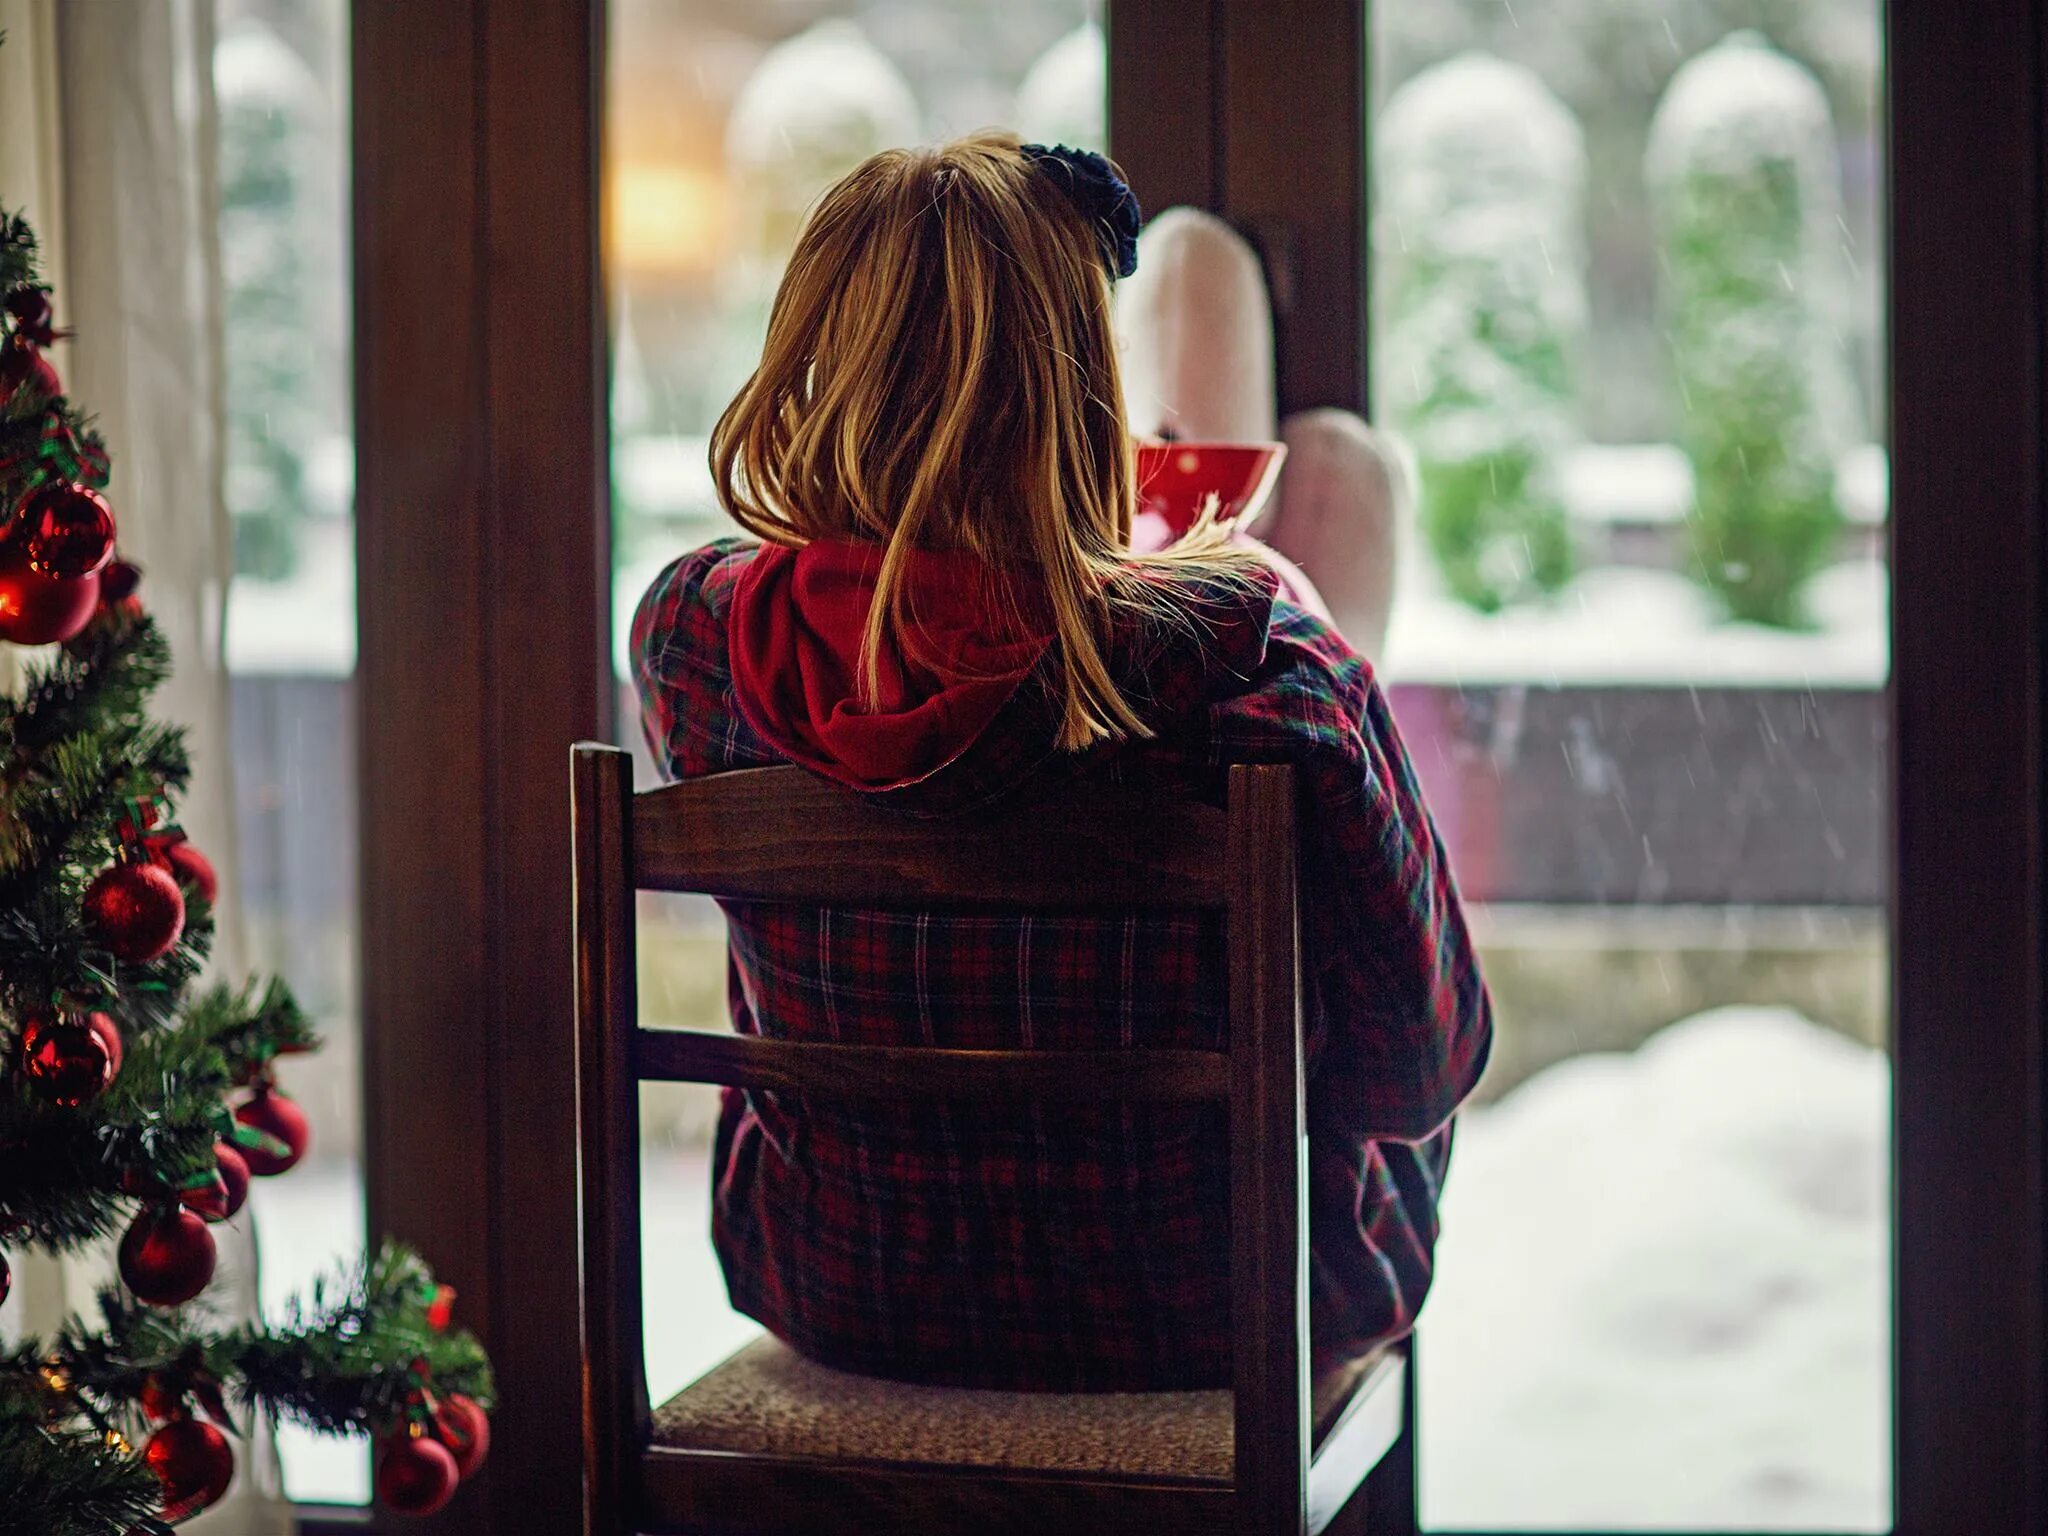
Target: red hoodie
{"x":796,"y":626}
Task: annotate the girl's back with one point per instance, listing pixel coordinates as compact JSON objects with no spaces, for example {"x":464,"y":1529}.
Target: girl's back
{"x":945,"y":612}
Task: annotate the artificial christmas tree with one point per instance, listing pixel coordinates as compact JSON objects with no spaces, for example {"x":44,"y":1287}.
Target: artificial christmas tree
{"x":129,"y":1103}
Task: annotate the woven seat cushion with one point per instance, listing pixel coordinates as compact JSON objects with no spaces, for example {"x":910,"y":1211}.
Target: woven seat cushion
{"x":769,"y":1400}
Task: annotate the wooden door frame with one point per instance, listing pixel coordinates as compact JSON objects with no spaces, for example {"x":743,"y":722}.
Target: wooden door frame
{"x":1968,"y":322}
{"x":483,"y":579}
{"x":1209,"y":103}
{"x":484,"y":596}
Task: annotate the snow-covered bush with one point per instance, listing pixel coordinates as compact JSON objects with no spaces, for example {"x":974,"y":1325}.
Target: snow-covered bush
{"x":1745,"y":190}
{"x":1482,"y":300}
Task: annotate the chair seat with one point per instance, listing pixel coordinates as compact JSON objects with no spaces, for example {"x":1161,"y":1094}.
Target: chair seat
{"x":769,"y":1400}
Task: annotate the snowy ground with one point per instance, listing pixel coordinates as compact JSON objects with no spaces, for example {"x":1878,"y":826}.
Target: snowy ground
{"x":1622,"y":626}
{"x":1662,"y":1300}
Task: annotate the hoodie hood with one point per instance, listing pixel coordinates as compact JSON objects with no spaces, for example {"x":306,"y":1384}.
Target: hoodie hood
{"x":797,"y":619}
{"x":794,"y":631}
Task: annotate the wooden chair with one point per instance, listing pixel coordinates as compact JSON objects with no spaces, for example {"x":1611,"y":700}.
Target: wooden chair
{"x":1254,"y":1460}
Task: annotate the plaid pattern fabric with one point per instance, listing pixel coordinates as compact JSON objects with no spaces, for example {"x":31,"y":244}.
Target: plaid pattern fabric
{"x":1064,"y":1250}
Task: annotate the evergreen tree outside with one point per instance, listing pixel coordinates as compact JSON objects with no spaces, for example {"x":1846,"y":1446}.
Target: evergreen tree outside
{"x":1482,"y":305}
{"x":129,"y":1101}
{"x":266,"y":231}
{"x":1744,"y":188}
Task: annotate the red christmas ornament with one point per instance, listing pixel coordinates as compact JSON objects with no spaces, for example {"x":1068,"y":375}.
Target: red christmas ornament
{"x":6,"y":1280}
{"x":26,"y":377}
{"x":441,"y":1310}
{"x":208,"y":1201}
{"x":167,"y":1256}
{"x":69,"y":529}
{"x":416,"y":1474}
{"x":159,"y":1400}
{"x":34,"y":317}
{"x":37,"y":609}
{"x":234,"y":1172}
{"x":271,"y":1113}
{"x":109,"y":1034}
{"x":137,"y":910}
{"x":119,"y":581}
{"x":461,"y":1424}
{"x":188,"y":866}
{"x":64,"y":1059}
{"x":192,"y":1460}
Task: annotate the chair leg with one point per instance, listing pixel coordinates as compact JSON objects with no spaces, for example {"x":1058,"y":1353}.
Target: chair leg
{"x":1385,"y":1503}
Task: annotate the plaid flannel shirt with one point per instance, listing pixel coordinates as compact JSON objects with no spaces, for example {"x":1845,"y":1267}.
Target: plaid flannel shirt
{"x":1086,"y":1250}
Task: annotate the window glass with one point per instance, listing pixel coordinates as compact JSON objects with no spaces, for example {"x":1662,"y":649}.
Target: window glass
{"x":1627,"y":299}
{"x":726,"y":118}
{"x":281,"y":74}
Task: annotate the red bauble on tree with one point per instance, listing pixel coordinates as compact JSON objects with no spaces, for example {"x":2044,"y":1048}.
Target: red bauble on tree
{"x":193,"y":1462}
{"x":109,"y":1034}
{"x":119,"y":581}
{"x":26,"y":377}
{"x":64,"y":1060}
{"x":159,"y":1400}
{"x":461,"y":1424}
{"x":234,"y":1172}
{"x":190,"y":867}
{"x":137,"y":910}
{"x":6,"y":1280}
{"x":441,"y":1310}
{"x":36,"y":609}
{"x":271,"y":1113}
{"x":34,"y":316}
{"x":167,"y":1256}
{"x":416,"y":1474}
{"x":69,"y":531}
{"x":207,"y":1201}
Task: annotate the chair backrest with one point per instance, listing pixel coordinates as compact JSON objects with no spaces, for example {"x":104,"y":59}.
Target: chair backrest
{"x":778,"y":834}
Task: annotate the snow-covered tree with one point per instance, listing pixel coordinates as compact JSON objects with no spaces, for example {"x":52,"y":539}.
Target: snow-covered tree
{"x":1482,"y":303}
{"x":1609,"y":61}
{"x":1063,"y":97}
{"x":1745,"y":190}
{"x":814,"y":108}
{"x":816,"y":105}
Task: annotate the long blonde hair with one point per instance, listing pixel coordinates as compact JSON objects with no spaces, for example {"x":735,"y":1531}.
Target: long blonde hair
{"x":941,"y":372}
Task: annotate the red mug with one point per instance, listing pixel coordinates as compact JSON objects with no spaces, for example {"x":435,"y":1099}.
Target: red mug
{"x":1174,"y":479}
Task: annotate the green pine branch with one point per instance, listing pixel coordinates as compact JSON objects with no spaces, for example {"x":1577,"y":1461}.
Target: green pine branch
{"x":18,"y":256}
{"x":342,"y":1360}
{"x":71,"y":1176}
{"x":107,"y":673}
{"x":345,"y":1360}
{"x":64,"y":1478}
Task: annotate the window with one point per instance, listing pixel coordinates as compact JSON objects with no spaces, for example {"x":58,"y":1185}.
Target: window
{"x":1627,"y":290}
{"x":281,"y":77}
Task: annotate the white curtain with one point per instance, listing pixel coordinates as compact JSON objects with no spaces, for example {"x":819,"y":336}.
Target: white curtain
{"x":107,"y":135}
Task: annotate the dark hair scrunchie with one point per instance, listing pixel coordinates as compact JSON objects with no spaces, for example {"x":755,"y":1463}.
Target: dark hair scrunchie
{"x":1100,"y":194}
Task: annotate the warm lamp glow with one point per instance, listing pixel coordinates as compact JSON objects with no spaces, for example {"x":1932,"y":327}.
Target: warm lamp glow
{"x":665,"y":220}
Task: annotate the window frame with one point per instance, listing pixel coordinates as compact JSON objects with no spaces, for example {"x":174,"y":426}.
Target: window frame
{"x":483,"y":549}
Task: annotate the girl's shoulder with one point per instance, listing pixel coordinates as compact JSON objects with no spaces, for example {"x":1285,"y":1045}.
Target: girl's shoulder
{"x":683,"y":609}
